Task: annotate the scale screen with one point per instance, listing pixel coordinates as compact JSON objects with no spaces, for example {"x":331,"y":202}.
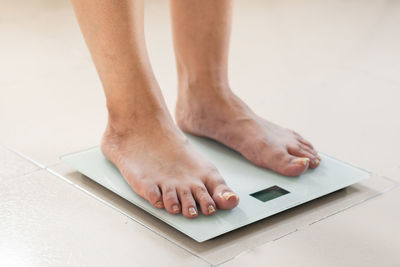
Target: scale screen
{"x":269,"y":193}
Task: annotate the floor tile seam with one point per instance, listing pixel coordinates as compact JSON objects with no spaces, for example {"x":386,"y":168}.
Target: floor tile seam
{"x":396,"y":185}
{"x":379,"y":194}
{"x":395,"y":181}
{"x":24,"y":156}
{"x":54,"y":164}
{"x":22,"y":174}
{"x":104,"y":202}
{"x":257,"y":246}
{"x":47,"y":168}
{"x":31,"y":160}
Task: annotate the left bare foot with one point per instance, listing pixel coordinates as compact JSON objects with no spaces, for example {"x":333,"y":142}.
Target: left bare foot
{"x":222,"y":116}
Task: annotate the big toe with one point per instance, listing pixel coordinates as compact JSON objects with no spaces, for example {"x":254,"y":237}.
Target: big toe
{"x":282,"y":162}
{"x":293,"y":166}
{"x":303,"y":151}
{"x":223,"y":196}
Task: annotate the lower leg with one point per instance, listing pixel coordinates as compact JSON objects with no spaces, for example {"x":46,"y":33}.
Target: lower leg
{"x":207,"y":106}
{"x":141,"y":138}
{"x":201,"y":37}
{"x":113,"y":31}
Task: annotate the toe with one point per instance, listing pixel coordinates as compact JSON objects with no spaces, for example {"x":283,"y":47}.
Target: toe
{"x":188,"y":204}
{"x":303,"y":151}
{"x":280,"y":161}
{"x":308,"y":149}
{"x":170,"y":199}
{"x":204,"y":199}
{"x":315,"y":162}
{"x":154,"y":196}
{"x":302,"y":139}
{"x":222,"y":195}
{"x":304,"y":142}
{"x":292,"y":165}
{"x":225,"y":198}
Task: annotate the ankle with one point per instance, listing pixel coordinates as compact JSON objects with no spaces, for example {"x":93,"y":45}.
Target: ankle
{"x":124,"y":120}
{"x":213,"y":80}
{"x":203,"y":91}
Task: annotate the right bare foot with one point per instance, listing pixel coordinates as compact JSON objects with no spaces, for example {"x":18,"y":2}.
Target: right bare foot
{"x":155,"y":158}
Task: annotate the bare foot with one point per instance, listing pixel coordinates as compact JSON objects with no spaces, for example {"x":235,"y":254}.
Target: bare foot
{"x":222,"y":116}
{"x":155,"y":158}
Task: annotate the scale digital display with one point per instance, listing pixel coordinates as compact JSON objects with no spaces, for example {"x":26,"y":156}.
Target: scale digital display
{"x":269,"y":193}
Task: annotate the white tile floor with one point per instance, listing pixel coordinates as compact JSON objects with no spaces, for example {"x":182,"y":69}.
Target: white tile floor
{"x":47,"y":222}
{"x":327,"y":69}
{"x":366,"y":235}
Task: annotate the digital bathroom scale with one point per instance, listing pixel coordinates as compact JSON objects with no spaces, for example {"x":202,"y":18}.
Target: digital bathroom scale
{"x":262,"y":192}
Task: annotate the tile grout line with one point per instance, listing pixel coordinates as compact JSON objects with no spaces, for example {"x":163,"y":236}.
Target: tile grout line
{"x":52,"y":165}
{"x":123,"y":213}
{"x":250,"y":249}
{"x":396,"y":185}
{"x":282,"y":236}
{"x":390,"y":179}
{"x":41,"y":166}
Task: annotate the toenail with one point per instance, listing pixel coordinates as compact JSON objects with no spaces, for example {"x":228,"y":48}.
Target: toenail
{"x":302,"y":161}
{"x":211,"y":209}
{"x":316,"y":161}
{"x":159,"y":204}
{"x":175,"y":208}
{"x":229,"y":195}
{"x":192,"y":211}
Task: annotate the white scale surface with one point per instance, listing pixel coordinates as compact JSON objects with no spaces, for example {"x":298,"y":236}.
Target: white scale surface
{"x":243,"y":177}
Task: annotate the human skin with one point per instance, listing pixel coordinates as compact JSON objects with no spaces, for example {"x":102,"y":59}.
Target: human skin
{"x":141,"y":138}
{"x":206,"y":104}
